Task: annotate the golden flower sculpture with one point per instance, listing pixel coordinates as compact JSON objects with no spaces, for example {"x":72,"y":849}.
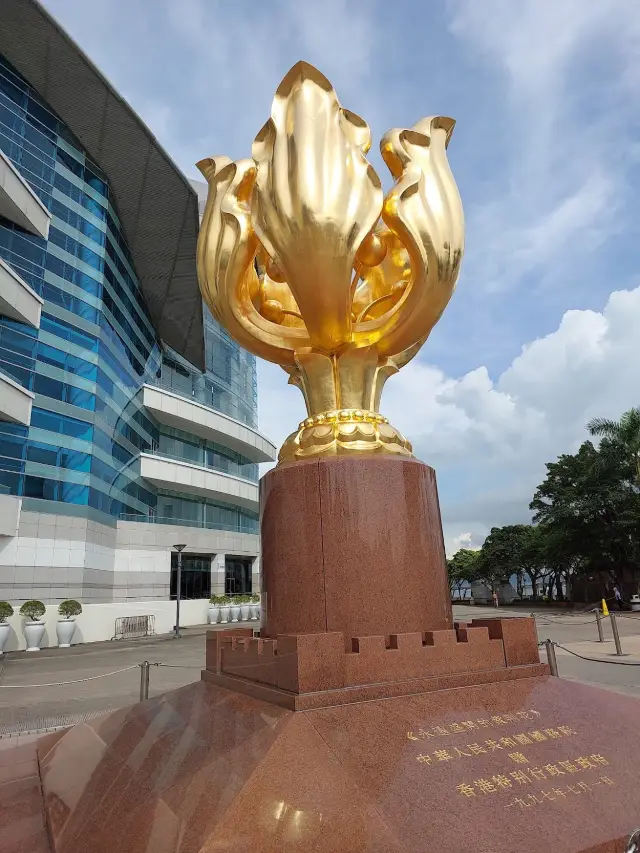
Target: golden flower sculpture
{"x":307,"y":264}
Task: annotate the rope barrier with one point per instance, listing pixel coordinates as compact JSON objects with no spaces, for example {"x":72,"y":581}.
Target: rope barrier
{"x":77,"y":681}
{"x":554,"y":620}
{"x":102,"y":675}
{"x":593,"y":660}
{"x":551,"y":620}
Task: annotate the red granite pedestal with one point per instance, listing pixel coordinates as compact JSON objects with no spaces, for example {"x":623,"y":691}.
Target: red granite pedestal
{"x":334,"y":736}
{"x":354,"y":545}
{"x":533,"y":765}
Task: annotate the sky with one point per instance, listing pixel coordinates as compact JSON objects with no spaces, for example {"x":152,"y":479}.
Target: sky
{"x":543,"y":331}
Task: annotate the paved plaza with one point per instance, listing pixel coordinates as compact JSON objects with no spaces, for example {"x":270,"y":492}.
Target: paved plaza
{"x":29,"y":708}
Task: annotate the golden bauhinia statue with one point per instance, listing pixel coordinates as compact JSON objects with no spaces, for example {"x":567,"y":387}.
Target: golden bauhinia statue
{"x":306,"y":263}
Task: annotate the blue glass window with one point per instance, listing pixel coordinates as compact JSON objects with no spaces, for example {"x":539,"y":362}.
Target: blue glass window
{"x":39,"y":487}
{"x":86,"y":269}
{"x":12,"y":445}
{"x":12,"y":481}
{"x":62,"y":424}
{"x":73,"y":493}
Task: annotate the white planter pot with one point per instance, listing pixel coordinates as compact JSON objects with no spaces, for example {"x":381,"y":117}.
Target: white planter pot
{"x":214,"y":612}
{"x":65,"y":630}
{"x":235,"y":612}
{"x":255,"y":610}
{"x":635,"y":603}
{"x":5,"y":630}
{"x":33,"y":632}
{"x":224,"y":613}
{"x":245,"y":612}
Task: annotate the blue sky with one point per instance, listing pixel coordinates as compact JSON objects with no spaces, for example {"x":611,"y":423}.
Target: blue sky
{"x":546,"y":153}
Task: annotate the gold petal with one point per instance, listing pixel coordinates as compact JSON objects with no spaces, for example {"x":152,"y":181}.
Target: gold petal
{"x":227,"y":246}
{"x":316,"y":198}
{"x":425,"y":211}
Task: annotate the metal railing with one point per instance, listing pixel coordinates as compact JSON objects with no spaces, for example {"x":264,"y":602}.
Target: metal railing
{"x":202,"y":463}
{"x":196,"y":388}
{"x":187,"y":522}
{"x":129,"y":627}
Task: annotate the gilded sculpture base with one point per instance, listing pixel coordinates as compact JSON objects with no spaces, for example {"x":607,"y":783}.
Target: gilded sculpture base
{"x":338,"y":433}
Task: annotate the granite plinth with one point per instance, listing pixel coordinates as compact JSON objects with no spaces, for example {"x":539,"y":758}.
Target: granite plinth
{"x":304,"y":671}
{"x":352,"y":545}
{"x":535,"y":764}
{"x":22,"y":821}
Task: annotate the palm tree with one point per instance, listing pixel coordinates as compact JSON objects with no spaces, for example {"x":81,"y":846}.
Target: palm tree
{"x":623,"y":434}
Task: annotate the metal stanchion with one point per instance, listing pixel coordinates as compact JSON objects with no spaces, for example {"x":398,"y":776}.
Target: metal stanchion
{"x":176,"y":628}
{"x":598,"y":620}
{"x":551,"y":657}
{"x":633,"y":844}
{"x":616,"y":636}
{"x":144,"y":680}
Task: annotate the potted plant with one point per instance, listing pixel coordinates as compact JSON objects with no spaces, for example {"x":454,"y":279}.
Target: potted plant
{"x":235,"y":607}
{"x":214,"y":608}
{"x":6,"y":610}
{"x":67,"y":625}
{"x":245,"y":605}
{"x":255,"y":606}
{"x":33,"y":611}
{"x":225,"y":608}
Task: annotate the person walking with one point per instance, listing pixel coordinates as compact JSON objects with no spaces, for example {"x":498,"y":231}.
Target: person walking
{"x":618,"y":596}
{"x":496,"y":603}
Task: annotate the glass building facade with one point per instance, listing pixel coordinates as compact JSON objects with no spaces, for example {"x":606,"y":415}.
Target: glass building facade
{"x":96,"y":347}
{"x":230,"y":382}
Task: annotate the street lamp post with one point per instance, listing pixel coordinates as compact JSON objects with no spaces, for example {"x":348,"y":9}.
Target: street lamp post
{"x":179,"y":549}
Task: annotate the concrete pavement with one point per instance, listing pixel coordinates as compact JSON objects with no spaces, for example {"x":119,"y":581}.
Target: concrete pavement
{"x":578,"y":633}
{"x":29,"y":708}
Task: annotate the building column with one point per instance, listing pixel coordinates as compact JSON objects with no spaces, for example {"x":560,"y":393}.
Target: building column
{"x":255,"y":575}
{"x":218,"y":572}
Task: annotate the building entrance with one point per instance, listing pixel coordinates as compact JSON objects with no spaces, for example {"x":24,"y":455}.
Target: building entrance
{"x":196,"y":576}
{"x":237,"y":579}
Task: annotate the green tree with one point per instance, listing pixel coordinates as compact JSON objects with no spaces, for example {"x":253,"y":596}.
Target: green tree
{"x":562,"y":558}
{"x":515,"y":549}
{"x":462,"y":568}
{"x":591,"y":512}
{"x":620,"y":438}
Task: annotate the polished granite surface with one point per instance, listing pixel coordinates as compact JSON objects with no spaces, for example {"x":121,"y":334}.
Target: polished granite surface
{"x":535,"y":764}
{"x":354,"y":545}
{"x":22,"y":820}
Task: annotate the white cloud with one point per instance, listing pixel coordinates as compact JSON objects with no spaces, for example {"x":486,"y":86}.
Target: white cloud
{"x":560,"y":192}
{"x":202,"y":73}
{"x":466,"y":541}
{"x":489,"y":440}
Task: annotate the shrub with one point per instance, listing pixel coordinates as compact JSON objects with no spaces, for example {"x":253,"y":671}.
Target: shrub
{"x":6,"y":610}
{"x":255,"y":598}
{"x":33,"y":610}
{"x":220,"y":600}
{"x":69,"y":608}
